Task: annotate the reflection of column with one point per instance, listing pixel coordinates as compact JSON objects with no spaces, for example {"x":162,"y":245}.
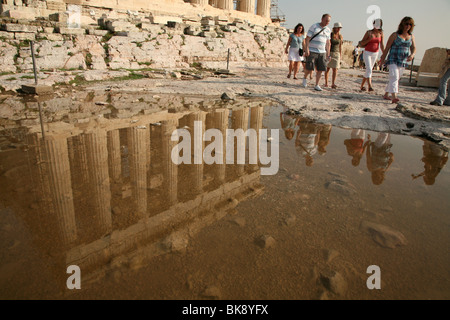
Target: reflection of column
{"x":80,"y":163}
{"x":137,"y":148}
{"x":114,"y":158}
{"x":97,"y":155}
{"x":170,"y":169}
{"x":221,"y":123}
{"x":239,"y":120}
{"x":263,"y":8}
{"x":198,"y":146}
{"x":214,"y":3}
{"x":200,"y":2}
{"x":225,"y":4}
{"x":61,"y":187}
{"x":38,"y":170}
{"x":256,"y":119}
{"x":247,"y":6}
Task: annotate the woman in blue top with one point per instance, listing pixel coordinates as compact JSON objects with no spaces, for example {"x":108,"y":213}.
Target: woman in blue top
{"x":296,"y":42}
{"x":402,"y":48}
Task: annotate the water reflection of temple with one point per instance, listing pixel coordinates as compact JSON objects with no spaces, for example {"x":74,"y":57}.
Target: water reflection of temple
{"x":110,"y":192}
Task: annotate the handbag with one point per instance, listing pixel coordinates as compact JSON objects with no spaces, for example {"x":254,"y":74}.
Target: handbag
{"x":300,"y":52}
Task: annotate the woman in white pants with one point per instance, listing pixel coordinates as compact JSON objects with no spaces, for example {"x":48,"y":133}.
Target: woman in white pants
{"x":402,"y":48}
{"x":372,"y":42}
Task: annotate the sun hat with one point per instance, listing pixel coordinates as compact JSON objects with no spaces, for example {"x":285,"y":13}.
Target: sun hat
{"x":337,"y":25}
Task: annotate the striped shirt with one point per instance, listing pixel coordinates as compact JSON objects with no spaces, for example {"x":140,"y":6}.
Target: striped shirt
{"x":399,"y":52}
{"x":318,"y":44}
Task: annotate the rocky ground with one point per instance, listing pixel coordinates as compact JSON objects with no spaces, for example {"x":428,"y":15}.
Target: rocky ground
{"x":346,"y":106}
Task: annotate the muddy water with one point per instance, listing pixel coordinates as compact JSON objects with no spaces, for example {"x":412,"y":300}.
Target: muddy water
{"x":105,"y":196}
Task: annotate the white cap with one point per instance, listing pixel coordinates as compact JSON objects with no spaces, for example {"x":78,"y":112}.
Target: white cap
{"x":337,"y":25}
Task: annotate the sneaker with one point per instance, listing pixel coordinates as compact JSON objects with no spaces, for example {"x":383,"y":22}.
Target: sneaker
{"x":305,"y":83}
{"x":435,"y":103}
{"x":318,"y":88}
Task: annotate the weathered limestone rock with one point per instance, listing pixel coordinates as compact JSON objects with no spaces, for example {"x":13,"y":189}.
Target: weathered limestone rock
{"x":266,"y":242}
{"x":383,"y":235}
{"x":24,"y":36}
{"x":7,"y":57}
{"x":6,"y":35}
{"x":430,"y":70}
{"x":334,"y":282}
{"x":15,"y":27}
{"x":70,"y":31}
{"x":164,"y":19}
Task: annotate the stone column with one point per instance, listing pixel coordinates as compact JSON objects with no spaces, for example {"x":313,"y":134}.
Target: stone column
{"x":225,"y":4}
{"x":170,"y":169}
{"x":263,"y":8}
{"x":97,"y":156}
{"x":256,"y":119}
{"x":239,"y":120}
{"x":61,"y":187}
{"x":137,"y":148}
{"x":247,"y":6}
{"x":200,"y":2}
{"x":114,"y":157}
{"x":221,"y":123}
{"x":196,"y":171}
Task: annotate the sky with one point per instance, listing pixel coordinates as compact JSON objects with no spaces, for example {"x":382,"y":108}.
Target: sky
{"x":432,"y":18}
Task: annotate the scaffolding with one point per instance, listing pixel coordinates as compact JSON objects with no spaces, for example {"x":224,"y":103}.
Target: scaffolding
{"x":276,"y":14}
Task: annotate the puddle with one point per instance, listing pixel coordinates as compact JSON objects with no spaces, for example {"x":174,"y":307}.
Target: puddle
{"x":103,"y":194}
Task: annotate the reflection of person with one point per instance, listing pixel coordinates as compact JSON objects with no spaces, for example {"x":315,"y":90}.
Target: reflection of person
{"x":336,"y":54}
{"x":288,"y":124}
{"x":324,"y":138}
{"x":401,"y":47}
{"x":307,"y":140}
{"x":443,"y":96}
{"x":372,"y":43}
{"x":434,"y":159}
{"x":296,"y":41}
{"x":379,"y":157}
{"x":356,"y":146}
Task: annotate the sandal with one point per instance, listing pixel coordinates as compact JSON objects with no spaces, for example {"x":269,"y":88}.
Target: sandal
{"x":363,"y":89}
{"x":289,"y":76}
{"x":395,"y":100}
{"x":371,"y":90}
{"x":386,"y":98}
{"x":334,"y":86}
{"x":295,"y":78}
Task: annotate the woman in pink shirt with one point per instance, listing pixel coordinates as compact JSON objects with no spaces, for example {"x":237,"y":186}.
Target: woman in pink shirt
{"x":372,"y":42}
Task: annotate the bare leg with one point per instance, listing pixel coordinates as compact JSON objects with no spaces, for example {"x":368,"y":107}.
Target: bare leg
{"x":296,"y":69}
{"x":334,"y":76}
{"x":369,"y":81}
{"x":326,"y":76}
{"x":290,"y":68}
{"x":318,"y":76}
{"x":363,"y":83}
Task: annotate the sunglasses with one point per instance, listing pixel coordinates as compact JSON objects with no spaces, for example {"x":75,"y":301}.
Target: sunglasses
{"x":409,"y":24}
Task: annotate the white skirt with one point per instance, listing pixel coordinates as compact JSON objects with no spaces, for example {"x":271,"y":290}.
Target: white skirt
{"x":294,"y":56}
